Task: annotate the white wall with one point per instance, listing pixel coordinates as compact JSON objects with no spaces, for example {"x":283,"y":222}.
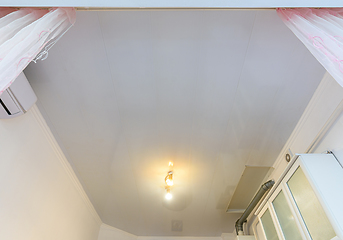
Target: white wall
{"x":40,"y":197}
{"x":179,"y":238}
{"x":110,"y":233}
{"x":333,"y":140}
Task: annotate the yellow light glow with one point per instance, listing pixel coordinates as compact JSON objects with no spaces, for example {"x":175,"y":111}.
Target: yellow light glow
{"x":170,"y":164}
{"x":169,"y":179}
{"x":169,"y":182}
{"x":168,"y":195}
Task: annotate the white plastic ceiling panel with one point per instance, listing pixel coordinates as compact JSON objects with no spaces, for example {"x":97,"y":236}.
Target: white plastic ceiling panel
{"x":125,"y":92}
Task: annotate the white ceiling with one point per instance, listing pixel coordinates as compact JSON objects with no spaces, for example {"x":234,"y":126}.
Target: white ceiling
{"x":125,"y":92}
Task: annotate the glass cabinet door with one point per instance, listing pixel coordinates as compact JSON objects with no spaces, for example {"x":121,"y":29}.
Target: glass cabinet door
{"x":311,"y":211}
{"x":286,"y":218}
{"x":268,"y":226}
{"x":259,"y":232}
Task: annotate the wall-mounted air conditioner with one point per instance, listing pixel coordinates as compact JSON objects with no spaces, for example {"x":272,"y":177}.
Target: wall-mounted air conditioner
{"x":17,"y":99}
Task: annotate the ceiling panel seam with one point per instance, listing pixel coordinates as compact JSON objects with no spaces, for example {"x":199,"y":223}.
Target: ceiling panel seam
{"x":118,"y":109}
{"x":239,"y":78}
{"x":226,"y":131}
{"x":192,"y":133}
{"x":263,"y":123}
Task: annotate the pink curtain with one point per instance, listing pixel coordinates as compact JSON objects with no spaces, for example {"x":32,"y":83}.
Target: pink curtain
{"x":321,"y":31}
{"x":25,"y":33}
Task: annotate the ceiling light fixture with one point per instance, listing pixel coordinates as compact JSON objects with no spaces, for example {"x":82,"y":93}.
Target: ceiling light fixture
{"x":169,"y":179}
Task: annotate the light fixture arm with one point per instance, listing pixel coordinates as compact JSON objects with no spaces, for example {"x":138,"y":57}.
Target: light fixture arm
{"x":169,"y":182}
{"x":169,"y":178}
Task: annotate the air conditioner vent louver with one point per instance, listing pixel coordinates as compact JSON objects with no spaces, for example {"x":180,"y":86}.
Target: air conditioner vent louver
{"x":17,"y":99}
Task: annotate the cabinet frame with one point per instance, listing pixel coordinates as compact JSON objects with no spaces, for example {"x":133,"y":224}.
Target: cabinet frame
{"x":283,"y":186}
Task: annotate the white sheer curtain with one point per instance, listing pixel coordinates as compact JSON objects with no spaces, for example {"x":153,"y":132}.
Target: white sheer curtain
{"x":321,"y":31}
{"x":25,"y":33}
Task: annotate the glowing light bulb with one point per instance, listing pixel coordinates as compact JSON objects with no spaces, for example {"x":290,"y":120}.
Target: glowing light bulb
{"x":168,"y":195}
{"x":169,"y":179}
{"x":169,"y":182}
{"x":170,"y":164}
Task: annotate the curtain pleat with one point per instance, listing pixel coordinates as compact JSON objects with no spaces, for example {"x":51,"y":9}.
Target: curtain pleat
{"x":321,"y":31}
{"x":24,"y":33}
